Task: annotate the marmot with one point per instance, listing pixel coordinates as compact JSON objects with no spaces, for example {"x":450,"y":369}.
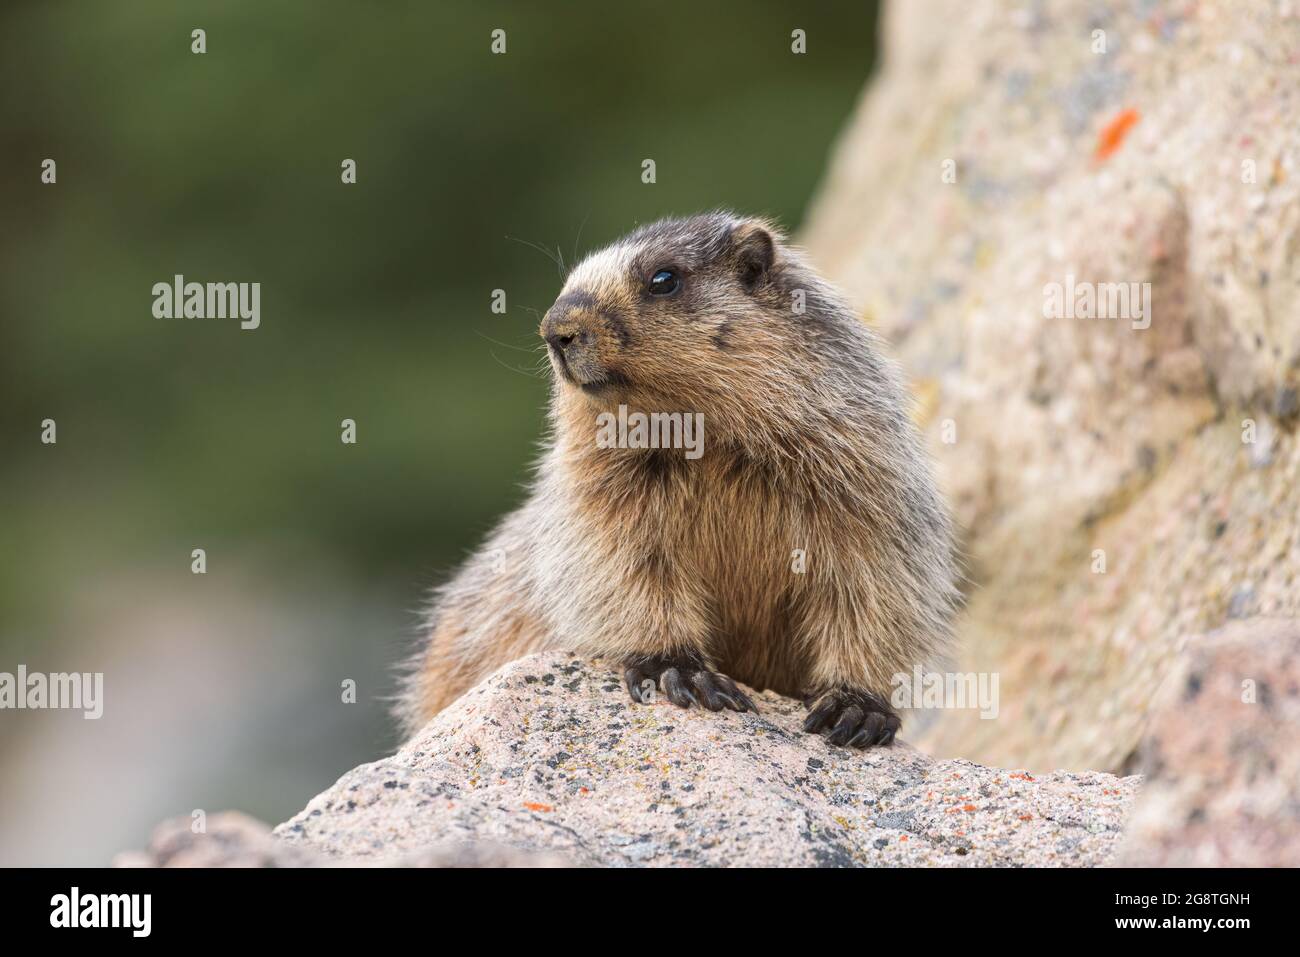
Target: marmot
{"x":806,"y":550}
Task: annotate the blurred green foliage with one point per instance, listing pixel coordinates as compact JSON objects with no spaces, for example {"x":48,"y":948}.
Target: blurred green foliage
{"x":375,"y":297}
{"x":173,"y":434}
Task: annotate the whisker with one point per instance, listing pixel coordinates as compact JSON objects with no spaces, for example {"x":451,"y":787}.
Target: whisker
{"x":559,"y":266}
{"x":579,"y":236}
{"x":536,"y":374}
{"x":507,"y":345}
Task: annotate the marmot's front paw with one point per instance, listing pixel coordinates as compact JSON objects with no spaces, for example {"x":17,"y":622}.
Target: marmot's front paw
{"x":686,"y":681}
{"x":857,"y":718}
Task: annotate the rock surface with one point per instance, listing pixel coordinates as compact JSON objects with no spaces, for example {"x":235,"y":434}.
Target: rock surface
{"x":1222,"y":759}
{"x":1164,"y":150}
{"x":550,"y":755}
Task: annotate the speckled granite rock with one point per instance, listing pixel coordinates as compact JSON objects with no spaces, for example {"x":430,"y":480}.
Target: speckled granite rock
{"x":550,"y":755}
{"x":1171,"y":158}
{"x":1222,"y":758}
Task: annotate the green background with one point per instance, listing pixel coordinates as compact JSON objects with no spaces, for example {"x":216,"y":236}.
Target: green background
{"x":176,"y":434}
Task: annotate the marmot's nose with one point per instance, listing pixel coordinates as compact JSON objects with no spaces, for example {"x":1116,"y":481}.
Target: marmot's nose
{"x":560,"y":340}
{"x":561,"y":330}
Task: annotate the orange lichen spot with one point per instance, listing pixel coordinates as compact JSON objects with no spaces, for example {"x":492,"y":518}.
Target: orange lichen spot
{"x":534,"y":806}
{"x":902,"y":837}
{"x":583,"y":790}
{"x":1113,"y":133}
{"x":968,"y":807}
{"x":1026,"y":817}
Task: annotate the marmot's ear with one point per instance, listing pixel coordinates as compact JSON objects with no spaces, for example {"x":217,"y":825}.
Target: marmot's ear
{"x":753,"y":250}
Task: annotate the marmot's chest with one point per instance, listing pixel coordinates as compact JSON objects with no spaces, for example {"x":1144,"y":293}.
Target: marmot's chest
{"x":741,"y":535}
{"x":757,"y":571}
{"x":754,"y":552}
{"x":748,"y":547}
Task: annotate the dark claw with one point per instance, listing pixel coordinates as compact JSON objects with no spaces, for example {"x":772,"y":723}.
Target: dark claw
{"x":820,"y":715}
{"x":708,"y":694}
{"x":847,"y":726}
{"x":635,"y":679}
{"x":870,"y":732}
{"x":685,"y":681}
{"x":723,"y":691}
{"x":849,"y":717}
{"x":737,"y":700}
{"x":679,"y":693}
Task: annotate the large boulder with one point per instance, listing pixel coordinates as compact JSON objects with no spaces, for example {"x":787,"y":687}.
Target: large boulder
{"x":550,"y":755}
{"x":547,"y":762}
{"x":1222,"y":757}
{"x":1121,"y":482}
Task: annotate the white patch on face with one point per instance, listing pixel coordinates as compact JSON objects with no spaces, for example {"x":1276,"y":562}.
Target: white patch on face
{"x":606,"y":269}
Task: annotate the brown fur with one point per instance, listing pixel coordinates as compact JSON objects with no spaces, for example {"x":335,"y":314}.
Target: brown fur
{"x":630,"y":553}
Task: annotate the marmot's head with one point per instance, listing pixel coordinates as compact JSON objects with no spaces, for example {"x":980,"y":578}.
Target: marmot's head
{"x":687,"y":314}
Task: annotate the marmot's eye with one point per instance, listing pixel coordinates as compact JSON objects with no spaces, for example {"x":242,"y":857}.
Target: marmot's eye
{"x":663,"y":283}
